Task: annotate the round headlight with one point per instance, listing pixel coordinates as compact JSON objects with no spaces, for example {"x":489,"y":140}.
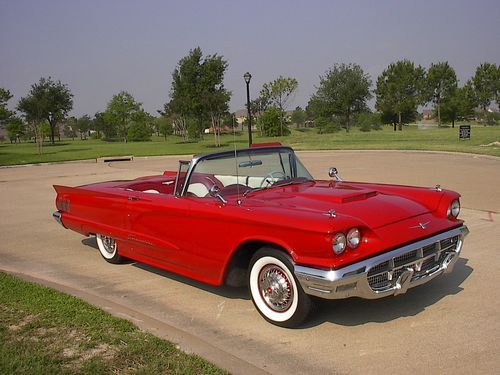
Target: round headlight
{"x":353,"y":238}
{"x":454,"y":209}
{"x":339,"y":242}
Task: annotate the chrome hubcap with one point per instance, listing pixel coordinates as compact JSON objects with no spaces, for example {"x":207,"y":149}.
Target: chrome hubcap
{"x":275,"y":288}
{"x":109,"y":244}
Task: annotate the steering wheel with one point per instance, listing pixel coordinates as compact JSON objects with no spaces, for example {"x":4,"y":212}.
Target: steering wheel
{"x":268,"y":178}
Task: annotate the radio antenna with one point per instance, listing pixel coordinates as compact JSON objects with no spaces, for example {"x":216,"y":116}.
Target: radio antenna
{"x":238,"y":200}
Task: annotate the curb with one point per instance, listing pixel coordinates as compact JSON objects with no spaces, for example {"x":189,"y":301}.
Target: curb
{"x":491,"y":157}
{"x":187,"y":342}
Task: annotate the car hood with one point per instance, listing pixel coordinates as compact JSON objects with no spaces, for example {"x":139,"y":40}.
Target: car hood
{"x":374,"y":207}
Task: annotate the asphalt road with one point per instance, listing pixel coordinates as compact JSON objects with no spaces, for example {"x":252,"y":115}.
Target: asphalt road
{"x":451,"y":325}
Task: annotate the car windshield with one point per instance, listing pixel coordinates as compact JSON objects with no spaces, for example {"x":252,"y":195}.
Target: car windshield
{"x":250,"y":170}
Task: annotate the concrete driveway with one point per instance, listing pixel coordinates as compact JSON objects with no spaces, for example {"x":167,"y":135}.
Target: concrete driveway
{"x":451,"y":325}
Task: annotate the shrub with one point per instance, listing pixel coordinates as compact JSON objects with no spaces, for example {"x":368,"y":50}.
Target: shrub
{"x":326,"y":125}
{"x":138,"y":132}
{"x":368,"y":122}
{"x":193,"y":129}
{"x":271,"y":123}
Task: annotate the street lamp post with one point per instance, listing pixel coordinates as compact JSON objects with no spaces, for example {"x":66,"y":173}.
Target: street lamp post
{"x":247,"y":76}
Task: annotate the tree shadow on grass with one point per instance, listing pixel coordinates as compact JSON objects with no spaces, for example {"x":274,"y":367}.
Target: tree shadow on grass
{"x":75,"y":150}
{"x":55,"y":152}
{"x":185,"y":142}
{"x":54,"y":145}
{"x":218,"y":147}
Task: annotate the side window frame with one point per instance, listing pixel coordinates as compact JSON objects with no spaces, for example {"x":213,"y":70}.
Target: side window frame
{"x":179,"y":186}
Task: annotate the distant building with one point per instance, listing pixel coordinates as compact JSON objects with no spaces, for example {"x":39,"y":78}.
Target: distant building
{"x":241,"y":115}
{"x":428,"y":114}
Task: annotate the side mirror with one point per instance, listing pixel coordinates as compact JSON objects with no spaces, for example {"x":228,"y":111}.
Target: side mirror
{"x":214,"y":192}
{"x":333,"y":172}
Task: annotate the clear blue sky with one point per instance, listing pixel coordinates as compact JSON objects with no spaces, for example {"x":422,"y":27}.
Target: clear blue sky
{"x":101,"y":47}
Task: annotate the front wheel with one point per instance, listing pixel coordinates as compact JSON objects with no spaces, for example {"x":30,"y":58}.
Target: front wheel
{"x":275,"y":292}
{"x":108,"y":249}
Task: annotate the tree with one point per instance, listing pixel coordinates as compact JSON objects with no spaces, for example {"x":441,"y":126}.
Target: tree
{"x":278,"y":93}
{"x":184,"y":96}
{"x":441,"y":82}
{"x":102,"y":124}
{"x":5,"y":96}
{"x":367,"y":121}
{"x":45,"y":130}
{"x":486,"y":84}
{"x":399,"y":91}
{"x":326,"y":125}
{"x":498,"y":86}
{"x":141,"y":126}
{"x":271,"y":122}
{"x":343,"y":91}
{"x":298,"y":116}
{"x":52,"y":100}
{"x":120,"y":110}
{"x":214,"y":97}
{"x":32,"y":107}
{"x":138,"y":132}
{"x":15,"y":129}
{"x":70,"y":127}
{"x":458,"y":104}
{"x":257,"y":108}
{"x":198,"y":92}
{"x":164,"y":125}
{"x":83,"y":125}
{"x":229,"y":120}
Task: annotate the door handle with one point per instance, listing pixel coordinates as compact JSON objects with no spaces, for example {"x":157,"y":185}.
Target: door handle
{"x":131,"y":198}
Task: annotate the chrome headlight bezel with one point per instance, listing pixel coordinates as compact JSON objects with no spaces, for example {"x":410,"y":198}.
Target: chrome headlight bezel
{"x":453,"y":209}
{"x":353,"y":238}
{"x":339,"y":243}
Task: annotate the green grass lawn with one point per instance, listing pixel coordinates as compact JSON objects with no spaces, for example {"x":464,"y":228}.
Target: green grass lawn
{"x":411,"y":138}
{"x":46,"y":332}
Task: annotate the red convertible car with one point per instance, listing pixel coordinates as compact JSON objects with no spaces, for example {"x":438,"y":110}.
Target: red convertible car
{"x":257,"y":217}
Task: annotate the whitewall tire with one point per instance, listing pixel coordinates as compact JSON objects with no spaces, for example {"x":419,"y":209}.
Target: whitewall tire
{"x":108,"y":249}
{"x":275,"y":292}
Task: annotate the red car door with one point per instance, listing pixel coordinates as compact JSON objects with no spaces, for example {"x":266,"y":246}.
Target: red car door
{"x":159,"y":228}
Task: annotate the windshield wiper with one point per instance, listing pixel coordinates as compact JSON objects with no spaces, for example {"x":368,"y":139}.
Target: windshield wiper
{"x":293,"y":181}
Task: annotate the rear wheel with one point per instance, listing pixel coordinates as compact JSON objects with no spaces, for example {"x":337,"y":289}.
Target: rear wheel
{"x":275,"y":292}
{"x":108,"y":249}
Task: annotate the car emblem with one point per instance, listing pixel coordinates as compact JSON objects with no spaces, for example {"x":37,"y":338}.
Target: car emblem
{"x":331,"y":214}
{"x":421,"y":225}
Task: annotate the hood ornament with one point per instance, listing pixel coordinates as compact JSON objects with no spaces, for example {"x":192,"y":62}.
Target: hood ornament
{"x":438,"y":188}
{"x":421,"y":225}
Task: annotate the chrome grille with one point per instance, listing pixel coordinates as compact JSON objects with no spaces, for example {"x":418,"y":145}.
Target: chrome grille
{"x":405,"y":258}
{"x":423,"y":261}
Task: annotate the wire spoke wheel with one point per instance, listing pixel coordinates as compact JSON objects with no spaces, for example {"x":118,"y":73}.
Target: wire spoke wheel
{"x":275,"y":288}
{"x":108,"y":248}
{"x":275,"y":292}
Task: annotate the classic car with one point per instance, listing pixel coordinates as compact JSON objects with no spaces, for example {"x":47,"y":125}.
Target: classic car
{"x":257,"y":217}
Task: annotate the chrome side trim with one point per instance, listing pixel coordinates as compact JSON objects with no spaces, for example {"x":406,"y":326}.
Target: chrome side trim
{"x":352,"y":280}
{"x":58,"y":217}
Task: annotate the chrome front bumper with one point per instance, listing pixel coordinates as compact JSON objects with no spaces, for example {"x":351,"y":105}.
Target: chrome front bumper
{"x":389,"y":273}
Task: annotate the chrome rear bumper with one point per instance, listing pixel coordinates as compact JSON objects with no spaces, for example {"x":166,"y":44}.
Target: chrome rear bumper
{"x":389,"y":273}
{"x":58,"y":217}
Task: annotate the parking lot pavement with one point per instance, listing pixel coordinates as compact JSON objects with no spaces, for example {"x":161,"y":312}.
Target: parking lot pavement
{"x":451,"y":325}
